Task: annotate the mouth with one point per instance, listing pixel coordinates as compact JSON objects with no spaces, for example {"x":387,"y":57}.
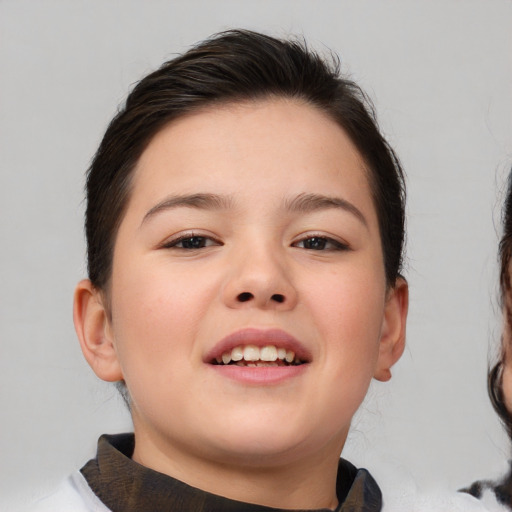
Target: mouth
{"x":252,"y":356}
{"x":253,"y":348}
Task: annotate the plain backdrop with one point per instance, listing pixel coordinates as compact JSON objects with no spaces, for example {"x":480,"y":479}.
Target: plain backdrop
{"x":440,"y":74}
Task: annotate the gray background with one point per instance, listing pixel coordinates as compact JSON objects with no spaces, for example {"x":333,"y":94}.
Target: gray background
{"x":440,"y":74}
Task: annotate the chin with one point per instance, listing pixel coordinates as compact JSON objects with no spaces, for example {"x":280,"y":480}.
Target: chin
{"x":266,"y":445}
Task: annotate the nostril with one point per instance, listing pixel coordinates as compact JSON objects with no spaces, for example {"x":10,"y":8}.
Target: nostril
{"x":277,"y":297}
{"x":245,"y":296}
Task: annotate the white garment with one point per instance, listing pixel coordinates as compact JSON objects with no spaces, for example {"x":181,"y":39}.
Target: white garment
{"x":75,"y":495}
{"x":72,"y":495}
{"x":489,"y":500}
{"x":435,"y":502}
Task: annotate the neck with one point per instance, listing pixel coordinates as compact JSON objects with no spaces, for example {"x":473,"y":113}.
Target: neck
{"x":306,"y":483}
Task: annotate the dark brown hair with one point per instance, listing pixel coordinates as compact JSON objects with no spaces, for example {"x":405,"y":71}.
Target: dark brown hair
{"x":234,"y":66}
{"x":495,"y":377}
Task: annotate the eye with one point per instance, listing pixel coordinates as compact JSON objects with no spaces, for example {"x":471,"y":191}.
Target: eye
{"x":191,"y":242}
{"x":321,"y":243}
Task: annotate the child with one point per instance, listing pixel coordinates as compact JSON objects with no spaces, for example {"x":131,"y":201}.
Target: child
{"x":245,"y":225}
{"x":498,"y":495}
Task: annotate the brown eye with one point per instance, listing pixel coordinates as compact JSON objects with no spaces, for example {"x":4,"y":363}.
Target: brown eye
{"x":320,"y":243}
{"x":194,"y":242}
{"x":191,"y":242}
{"x":315,"y":243}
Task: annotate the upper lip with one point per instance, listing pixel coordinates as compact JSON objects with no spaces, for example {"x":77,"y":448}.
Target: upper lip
{"x":259,"y":338}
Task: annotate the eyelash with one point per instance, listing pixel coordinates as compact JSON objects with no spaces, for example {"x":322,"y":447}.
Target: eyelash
{"x":207,"y":241}
{"x":174,"y":244}
{"x":336,"y":244}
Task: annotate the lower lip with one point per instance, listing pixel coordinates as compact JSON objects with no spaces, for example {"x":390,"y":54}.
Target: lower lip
{"x":260,"y":375}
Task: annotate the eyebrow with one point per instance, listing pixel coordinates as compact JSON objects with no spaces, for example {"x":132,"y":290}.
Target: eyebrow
{"x":199,"y":201}
{"x":303,"y":203}
{"x":307,"y":203}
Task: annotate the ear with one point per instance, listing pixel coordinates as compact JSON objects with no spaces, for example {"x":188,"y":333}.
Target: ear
{"x":392,"y":341}
{"x":94,"y":329}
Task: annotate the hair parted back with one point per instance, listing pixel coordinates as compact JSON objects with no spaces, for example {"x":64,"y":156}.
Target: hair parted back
{"x":495,"y":377}
{"x":234,"y":66}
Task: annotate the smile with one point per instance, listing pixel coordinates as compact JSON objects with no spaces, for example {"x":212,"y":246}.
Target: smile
{"x":259,"y":357}
{"x":252,"y":347}
{"x":254,"y":356}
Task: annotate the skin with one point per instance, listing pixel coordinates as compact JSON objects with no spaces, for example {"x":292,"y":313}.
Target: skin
{"x":507,"y":367}
{"x":273,"y":444}
{"x":507,"y":383}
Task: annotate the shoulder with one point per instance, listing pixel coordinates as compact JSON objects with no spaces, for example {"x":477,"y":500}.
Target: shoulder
{"x":402,"y":493}
{"x":494,"y":495}
{"x":408,"y":496}
{"x":72,"y":495}
{"x":436,"y":502}
{"x":490,"y":500}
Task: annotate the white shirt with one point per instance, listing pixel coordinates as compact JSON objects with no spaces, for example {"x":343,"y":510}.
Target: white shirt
{"x":72,"y":495}
{"x":75,"y":495}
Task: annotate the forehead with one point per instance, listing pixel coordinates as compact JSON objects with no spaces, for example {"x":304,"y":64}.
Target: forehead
{"x":234,"y":145}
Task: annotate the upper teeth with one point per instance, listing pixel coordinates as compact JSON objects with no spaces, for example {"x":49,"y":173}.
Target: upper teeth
{"x":267,"y":353}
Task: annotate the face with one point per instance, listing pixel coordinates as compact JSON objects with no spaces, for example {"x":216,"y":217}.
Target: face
{"x":249,"y":308}
{"x":507,"y":383}
{"x":507,"y":366}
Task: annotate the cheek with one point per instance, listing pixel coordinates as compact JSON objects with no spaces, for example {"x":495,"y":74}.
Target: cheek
{"x":354,"y":300}
{"x":348,"y":311}
{"x":156,"y":313}
{"x":507,"y":386}
{"x":507,"y":362}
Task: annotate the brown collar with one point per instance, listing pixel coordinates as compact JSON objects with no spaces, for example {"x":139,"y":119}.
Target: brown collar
{"x":125,"y":486}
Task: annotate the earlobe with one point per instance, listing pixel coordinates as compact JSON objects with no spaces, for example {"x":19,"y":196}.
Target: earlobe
{"x":392,"y":342}
{"x":94,"y":330}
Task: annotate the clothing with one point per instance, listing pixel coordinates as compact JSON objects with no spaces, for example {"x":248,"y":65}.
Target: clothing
{"x":123,"y":485}
{"x":112,"y":482}
{"x":433,"y":501}
{"x":496,"y":495}
{"x":72,"y":495}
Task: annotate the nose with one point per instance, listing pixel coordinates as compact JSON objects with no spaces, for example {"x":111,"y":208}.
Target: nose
{"x":260,"y":279}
